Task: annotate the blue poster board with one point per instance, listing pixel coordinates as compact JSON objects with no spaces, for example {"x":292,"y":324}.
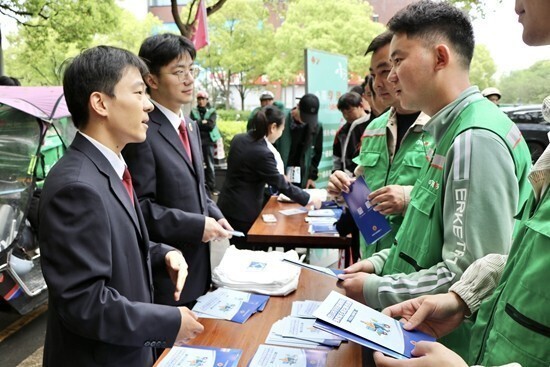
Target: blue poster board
{"x":327,"y":78}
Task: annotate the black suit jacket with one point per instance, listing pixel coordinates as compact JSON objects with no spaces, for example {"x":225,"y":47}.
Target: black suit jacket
{"x":96,"y":259}
{"x":250,"y":165}
{"x":173,"y":198}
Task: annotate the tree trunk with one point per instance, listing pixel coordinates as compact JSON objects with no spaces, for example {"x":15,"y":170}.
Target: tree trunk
{"x":188,"y":29}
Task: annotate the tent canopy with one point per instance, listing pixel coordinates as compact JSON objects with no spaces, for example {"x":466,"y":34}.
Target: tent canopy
{"x":46,"y":103}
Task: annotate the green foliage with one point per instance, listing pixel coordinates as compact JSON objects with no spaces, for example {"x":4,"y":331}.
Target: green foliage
{"x":233,"y":115}
{"x":48,"y":46}
{"x":526,"y":86}
{"x":130,"y":32}
{"x":476,"y":8}
{"x":228,"y":129}
{"x":240,"y":44}
{"x":482,"y":68}
{"x":345,"y":28}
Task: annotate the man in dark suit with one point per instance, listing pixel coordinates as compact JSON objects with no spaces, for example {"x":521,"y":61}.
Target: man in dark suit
{"x":96,"y":255}
{"x":167,"y":168}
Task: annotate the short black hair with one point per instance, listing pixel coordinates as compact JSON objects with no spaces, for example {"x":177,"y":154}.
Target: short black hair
{"x":266,"y":116}
{"x":379,"y":41}
{"x":159,"y":50}
{"x":349,"y":100}
{"x":9,"y":81}
{"x":96,"y":69}
{"x":431,"y":21}
{"x":359,"y":89}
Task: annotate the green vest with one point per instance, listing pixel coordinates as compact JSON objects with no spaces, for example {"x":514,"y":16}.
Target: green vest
{"x":419,"y":242}
{"x":195,"y":115}
{"x":514,"y":324}
{"x":284,"y":143}
{"x":379,"y":172}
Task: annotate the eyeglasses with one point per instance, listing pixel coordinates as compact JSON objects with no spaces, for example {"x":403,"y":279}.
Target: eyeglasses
{"x":183,"y":75}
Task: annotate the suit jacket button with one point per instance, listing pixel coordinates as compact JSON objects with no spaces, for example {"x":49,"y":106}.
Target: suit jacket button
{"x":163,"y":344}
{"x":153,"y":344}
{"x":147,"y":344}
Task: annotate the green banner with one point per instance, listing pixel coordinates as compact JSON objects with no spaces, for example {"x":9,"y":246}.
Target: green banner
{"x":327,"y":78}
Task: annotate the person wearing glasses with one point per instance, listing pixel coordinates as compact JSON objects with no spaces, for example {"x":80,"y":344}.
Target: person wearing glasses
{"x":167,"y":168}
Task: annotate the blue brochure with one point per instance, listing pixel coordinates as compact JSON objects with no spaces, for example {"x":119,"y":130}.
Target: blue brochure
{"x":274,"y":356}
{"x":327,"y":271}
{"x":229,"y":304}
{"x":190,"y":356}
{"x":372,"y":225}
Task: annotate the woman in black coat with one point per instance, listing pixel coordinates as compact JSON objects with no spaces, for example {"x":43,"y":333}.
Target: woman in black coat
{"x":252,"y":163}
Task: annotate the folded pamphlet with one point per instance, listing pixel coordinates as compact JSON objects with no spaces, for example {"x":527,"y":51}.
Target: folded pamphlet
{"x":359,"y":323}
{"x":327,"y":271}
{"x":190,"y":356}
{"x":372,"y":225}
{"x":272,"y":356}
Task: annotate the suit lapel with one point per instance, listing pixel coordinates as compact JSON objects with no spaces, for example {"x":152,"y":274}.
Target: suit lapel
{"x":115,"y":183}
{"x":167,"y":131}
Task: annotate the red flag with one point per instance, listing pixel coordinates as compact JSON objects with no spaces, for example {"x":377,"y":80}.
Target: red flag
{"x":200,"y":37}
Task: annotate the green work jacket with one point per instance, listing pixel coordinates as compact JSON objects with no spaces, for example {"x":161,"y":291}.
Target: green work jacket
{"x":379,"y":170}
{"x":420,"y":241}
{"x":514,"y":324}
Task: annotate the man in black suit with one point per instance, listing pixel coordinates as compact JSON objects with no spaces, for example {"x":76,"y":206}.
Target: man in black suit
{"x":96,"y":255}
{"x":167,"y":168}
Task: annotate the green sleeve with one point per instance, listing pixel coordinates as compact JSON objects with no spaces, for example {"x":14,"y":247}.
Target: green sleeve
{"x":481,"y":196}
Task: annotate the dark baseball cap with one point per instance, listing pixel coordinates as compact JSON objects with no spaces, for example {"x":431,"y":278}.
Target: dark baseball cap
{"x":309,"y":108}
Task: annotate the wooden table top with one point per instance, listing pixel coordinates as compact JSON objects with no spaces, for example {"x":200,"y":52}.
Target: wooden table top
{"x":290,"y":229}
{"x":248,"y":336}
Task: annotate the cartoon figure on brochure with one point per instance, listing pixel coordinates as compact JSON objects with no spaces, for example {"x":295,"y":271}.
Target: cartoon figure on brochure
{"x":290,"y":359}
{"x":378,"y":327}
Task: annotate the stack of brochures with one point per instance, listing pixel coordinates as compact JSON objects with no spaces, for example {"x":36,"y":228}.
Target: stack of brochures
{"x":359,"y":323}
{"x":228,"y":304}
{"x":257,"y":271}
{"x":323,"y":220}
{"x":300,"y":332}
{"x":201,"y":356}
{"x":271,"y":356}
{"x":304,"y":309}
{"x":297,"y":330}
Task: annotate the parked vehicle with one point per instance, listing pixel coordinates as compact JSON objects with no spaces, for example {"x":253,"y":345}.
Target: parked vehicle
{"x":35,"y":129}
{"x":532,"y":125}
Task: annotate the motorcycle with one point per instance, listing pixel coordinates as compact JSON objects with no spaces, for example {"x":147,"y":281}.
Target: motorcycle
{"x":35,"y":129}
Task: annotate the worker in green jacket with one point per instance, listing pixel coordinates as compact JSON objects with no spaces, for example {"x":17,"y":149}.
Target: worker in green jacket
{"x":301,"y":145}
{"x":513,"y":325}
{"x":393,"y":150}
{"x":463,"y":205}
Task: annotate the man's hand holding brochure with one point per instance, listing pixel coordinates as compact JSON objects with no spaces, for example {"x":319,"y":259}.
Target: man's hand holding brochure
{"x":372,"y":225}
{"x":357,"y":322}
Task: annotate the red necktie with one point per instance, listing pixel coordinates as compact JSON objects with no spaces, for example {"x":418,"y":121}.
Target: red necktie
{"x":185,"y":140}
{"x":127,"y":182}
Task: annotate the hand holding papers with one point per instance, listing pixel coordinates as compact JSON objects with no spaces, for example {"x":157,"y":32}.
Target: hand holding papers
{"x":359,"y":323}
{"x":372,"y":224}
{"x":236,"y":233}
